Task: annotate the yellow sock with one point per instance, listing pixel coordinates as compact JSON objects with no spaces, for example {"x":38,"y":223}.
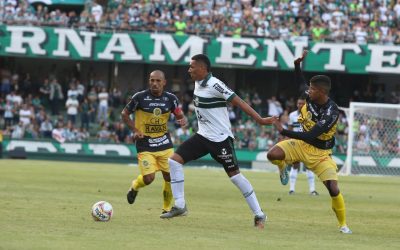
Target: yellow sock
{"x":138,"y":183}
{"x":339,"y":209}
{"x":167,"y":195}
{"x":280,"y":163}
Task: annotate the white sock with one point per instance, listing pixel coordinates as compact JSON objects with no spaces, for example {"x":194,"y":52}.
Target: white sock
{"x":292,"y":178}
{"x":177,"y":183}
{"x":310,"y":177}
{"x":247,"y":190}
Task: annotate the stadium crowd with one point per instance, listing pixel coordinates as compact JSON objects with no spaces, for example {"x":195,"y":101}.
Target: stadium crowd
{"x":355,"y":21}
{"x":75,"y":111}
{"x":89,"y":112}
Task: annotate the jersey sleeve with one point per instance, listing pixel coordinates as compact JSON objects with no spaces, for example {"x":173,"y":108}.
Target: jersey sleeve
{"x":223,"y":91}
{"x":174,"y":103}
{"x":133,"y":103}
{"x":328,"y":118}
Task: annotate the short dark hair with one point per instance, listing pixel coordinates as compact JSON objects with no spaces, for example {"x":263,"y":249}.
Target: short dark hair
{"x":303,"y":96}
{"x":203,"y":59}
{"x":321,"y":81}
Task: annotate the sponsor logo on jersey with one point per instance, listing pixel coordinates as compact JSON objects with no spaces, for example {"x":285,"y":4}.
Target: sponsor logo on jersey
{"x":156,"y":104}
{"x":223,"y":151}
{"x":156,"y":121}
{"x":158,"y":139}
{"x":201,"y":118}
{"x":155,"y":128}
{"x":220,"y":89}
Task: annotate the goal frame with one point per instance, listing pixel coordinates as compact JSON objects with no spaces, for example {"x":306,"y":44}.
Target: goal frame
{"x":350,"y":120}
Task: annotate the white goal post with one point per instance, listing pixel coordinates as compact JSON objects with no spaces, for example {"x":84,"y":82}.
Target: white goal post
{"x":373,"y":139}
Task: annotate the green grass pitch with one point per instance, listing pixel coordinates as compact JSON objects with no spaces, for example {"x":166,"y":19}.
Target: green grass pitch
{"x":46,"y":205}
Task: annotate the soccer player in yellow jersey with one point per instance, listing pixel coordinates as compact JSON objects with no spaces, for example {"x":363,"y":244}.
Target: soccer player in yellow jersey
{"x":152,"y":108}
{"x":313,"y":145}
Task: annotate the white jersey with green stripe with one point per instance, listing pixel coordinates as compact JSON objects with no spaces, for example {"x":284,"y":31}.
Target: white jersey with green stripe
{"x":210,"y":103}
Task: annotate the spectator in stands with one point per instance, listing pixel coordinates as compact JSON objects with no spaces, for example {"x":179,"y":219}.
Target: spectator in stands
{"x":274,"y":107}
{"x":121,"y":133}
{"x":96,"y":11}
{"x":8,"y":114}
{"x":86,"y":110}
{"x":5,"y":84}
{"x":362,"y":145}
{"x":46,"y":128}
{"x":26,"y":114}
{"x":376,"y":144}
{"x":70,"y":132}
{"x":55,"y":96}
{"x":256,"y":103}
{"x":44,"y":91}
{"x":18,"y":131}
{"x":72,"y":91}
{"x":72,"y":106}
{"x":116,"y":96}
{"x":182,"y":134}
{"x":103,"y":105}
{"x":82,"y":135}
{"x":104,"y":134}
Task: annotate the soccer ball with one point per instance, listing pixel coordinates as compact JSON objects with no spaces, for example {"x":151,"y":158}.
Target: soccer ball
{"x":102,"y":211}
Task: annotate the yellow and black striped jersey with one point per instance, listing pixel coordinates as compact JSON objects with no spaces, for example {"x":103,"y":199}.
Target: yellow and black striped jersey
{"x":151,"y":118}
{"x":321,"y":118}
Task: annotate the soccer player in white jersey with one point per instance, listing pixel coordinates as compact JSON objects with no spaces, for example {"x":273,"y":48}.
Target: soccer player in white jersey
{"x":213,"y":137}
{"x":296,"y":167}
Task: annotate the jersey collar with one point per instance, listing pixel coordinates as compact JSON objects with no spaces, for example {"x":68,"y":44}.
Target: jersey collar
{"x":204,"y":82}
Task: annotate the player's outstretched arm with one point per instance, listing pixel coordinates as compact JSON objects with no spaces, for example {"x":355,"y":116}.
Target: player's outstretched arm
{"x":239,"y":102}
{"x":300,"y":80}
{"x":300,"y":59}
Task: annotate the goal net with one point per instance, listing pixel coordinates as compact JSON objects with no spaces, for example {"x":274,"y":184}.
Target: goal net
{"x":373,"y":139}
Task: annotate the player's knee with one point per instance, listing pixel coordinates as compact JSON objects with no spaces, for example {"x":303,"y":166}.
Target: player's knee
{"x":166,"y":176}
{"x":148,"y":179}
{"x":177,"y":158}
{"x":274,"y":154}
{"x":332,"y":187}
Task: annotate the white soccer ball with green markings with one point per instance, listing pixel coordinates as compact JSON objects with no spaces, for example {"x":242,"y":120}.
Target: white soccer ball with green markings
{"x":102,"y":211}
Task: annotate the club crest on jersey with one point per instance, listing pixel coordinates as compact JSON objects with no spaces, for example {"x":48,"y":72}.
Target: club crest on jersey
{"x":223,"y":151}
{"x":157,"y":111}
{"x":145,"y":163}
{"x":309,"y":115}
{"x":196,"y":101}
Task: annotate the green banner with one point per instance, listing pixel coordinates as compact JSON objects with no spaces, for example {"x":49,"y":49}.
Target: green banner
{"x":58,"y":2}
{"x":63,"y":43}
{"x":109,"y":152}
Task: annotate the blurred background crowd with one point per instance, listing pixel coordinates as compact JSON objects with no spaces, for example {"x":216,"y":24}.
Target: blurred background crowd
{"x":355,"y":21}
{"x":90,"y":111}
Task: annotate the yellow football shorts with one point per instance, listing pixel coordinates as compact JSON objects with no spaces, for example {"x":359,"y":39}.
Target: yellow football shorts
{"x":319,"y":161}
{"x":151,"y":162}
